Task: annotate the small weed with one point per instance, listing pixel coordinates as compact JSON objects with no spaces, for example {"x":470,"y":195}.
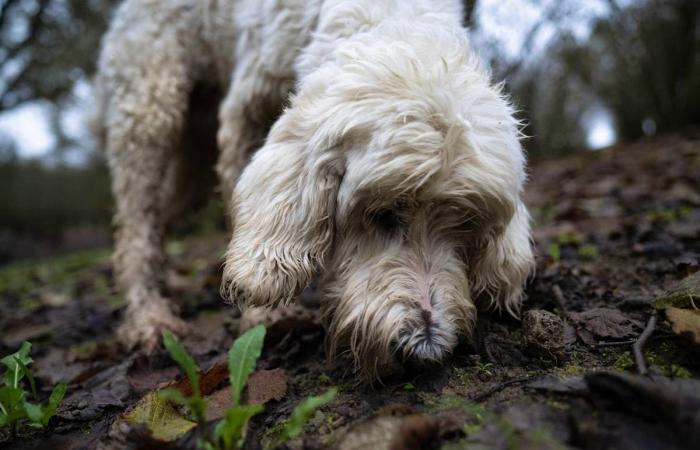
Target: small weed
{"x":484,"y":369}
{"x":554,"y":251}
{"x":15,"y":409}
{"x":229,"y":433}
{"x":588,"y":252}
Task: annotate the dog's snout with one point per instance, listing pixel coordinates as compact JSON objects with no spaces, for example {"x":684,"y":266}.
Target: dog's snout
{"x":424,"y":340}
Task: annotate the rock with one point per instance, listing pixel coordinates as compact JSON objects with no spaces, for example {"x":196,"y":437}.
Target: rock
{"x":545,"y":334}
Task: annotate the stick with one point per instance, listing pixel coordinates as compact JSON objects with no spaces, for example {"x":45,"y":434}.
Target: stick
{"x":639,"y":345}
{"x":500,"y":386}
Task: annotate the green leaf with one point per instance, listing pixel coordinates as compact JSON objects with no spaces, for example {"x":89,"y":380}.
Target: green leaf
{"x":13,"y":363}
{"x":41,"y":415}
{"x":173,"y":395}
{"x":205,"y":445}
{"x":242,"y":357}
{"x":27,"y":373}
{"x":301,"y":415}
{"x":184,"y":360}
{"x":231,"y":429}
{"x":34,"y":412}
{"x":57,"y":395}
{"x":12,"y":401}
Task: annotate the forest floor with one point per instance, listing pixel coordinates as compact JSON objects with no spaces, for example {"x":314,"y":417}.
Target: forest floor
{"x":616,"y":230}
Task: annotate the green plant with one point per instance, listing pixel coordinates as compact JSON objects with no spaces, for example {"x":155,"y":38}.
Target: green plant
{"x":14,"y":407}
{"x":229,"y":432}
{"x":484,"y":369}
{"x":304,"y":411}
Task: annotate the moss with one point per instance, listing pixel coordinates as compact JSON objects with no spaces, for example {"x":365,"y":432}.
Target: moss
{"x":23,"y":278}
{"x":571,"y":370}
{"x":588,"y":252}
{"x":624,"y":362}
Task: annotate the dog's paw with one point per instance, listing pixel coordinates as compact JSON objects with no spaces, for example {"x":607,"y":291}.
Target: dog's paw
{"x":143,"y":328}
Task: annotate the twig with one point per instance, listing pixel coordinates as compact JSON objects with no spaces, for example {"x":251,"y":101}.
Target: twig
{"x":639,"y":345}
{"x":498,"y":387}
{"x":616,"y":343}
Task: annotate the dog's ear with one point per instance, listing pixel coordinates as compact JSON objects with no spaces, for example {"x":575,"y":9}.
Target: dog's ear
{"x":505,"y":261}
{"x":283,"y":211}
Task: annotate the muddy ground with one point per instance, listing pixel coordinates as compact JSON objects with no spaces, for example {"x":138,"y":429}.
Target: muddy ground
{"x":614,"y":230}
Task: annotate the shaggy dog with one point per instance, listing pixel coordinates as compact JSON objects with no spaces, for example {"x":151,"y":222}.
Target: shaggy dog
{"x":392,"y":166}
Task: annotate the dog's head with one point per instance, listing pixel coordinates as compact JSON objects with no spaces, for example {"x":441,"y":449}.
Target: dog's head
{"x":394,"y":168}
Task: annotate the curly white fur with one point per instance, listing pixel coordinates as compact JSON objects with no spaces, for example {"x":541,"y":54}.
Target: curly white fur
{"x":395,"y":169}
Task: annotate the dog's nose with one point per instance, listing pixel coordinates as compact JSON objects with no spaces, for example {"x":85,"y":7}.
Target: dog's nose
{"x":423,"y":341}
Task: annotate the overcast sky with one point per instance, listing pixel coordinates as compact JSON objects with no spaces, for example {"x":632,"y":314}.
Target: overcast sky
{"x":504,"y":22}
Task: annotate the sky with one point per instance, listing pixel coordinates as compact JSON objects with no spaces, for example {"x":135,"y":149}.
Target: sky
{"x":504,"y":22}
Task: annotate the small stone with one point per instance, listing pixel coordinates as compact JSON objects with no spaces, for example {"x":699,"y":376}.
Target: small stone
{"x":545,"y":334}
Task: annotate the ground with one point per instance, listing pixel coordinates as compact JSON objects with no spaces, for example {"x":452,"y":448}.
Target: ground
{"x":614,"y":229}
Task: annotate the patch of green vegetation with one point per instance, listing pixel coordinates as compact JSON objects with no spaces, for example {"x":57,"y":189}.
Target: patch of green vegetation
{"x":229,"y":433}
{"x":571,"y":370}
{"x":554,"y":251}
{"x":15,"y":409}
{"x":669,"y":215}
{"x":624,"y":362}
{"x":484,"y":369}
{"x":554,"y":403}
{"x":324,"y":379}
{"x":588,"y":252}
{"x":668,"y":358}
{"x":665,"y":357}
{"x":463,"y":376}
{"x":84,"y":349}
{"x":570,"y":238}
{"x":23,"y":277}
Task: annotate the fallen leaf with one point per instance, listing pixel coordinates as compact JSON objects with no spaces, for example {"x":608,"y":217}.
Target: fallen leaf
{"x":682,"y":294}
{"x":218,"y":403}
{"x":208,"y":380}
{"x":685,"y":322}
{"x":145,"y":376}
{"x":607,"y":323}
{"x":266,"y":385}
{"x":159,"y":416}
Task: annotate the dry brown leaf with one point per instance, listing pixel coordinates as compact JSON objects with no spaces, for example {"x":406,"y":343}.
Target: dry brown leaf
{"x":218,"y":403}
{"x":685,"y":322}
{"x":266,"y":385}
{"x":607,"y":323}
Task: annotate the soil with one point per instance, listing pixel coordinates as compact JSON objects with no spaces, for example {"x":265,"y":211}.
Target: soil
{"x":614,"y":229}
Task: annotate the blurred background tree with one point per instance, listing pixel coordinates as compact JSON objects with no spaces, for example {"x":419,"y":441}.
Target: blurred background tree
{"x":623,"y":68}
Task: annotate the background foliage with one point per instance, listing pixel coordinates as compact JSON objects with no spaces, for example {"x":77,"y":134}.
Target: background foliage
{"x":637,"y":64}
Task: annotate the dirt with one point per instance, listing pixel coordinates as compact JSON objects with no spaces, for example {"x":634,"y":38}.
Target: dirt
{"x":614,"y":229}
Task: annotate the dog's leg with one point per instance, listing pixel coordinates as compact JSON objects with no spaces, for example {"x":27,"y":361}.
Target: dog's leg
{"x":503,"y":268}
{"x":146,"y":116}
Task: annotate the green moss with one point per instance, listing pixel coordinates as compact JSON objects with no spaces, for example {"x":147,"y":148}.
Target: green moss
{"x":554,"y":251}
{"x":588,"y":252}
{"x":571,"y":370}
{"x":570,"y":238}
{"x":23,"y":278}
{"x":624,"y":362}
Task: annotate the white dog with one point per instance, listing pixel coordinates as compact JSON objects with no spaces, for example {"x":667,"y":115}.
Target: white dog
{"x":394,"y":169}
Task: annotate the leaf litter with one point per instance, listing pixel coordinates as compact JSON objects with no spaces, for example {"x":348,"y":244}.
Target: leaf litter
{"x":627,"y":239}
